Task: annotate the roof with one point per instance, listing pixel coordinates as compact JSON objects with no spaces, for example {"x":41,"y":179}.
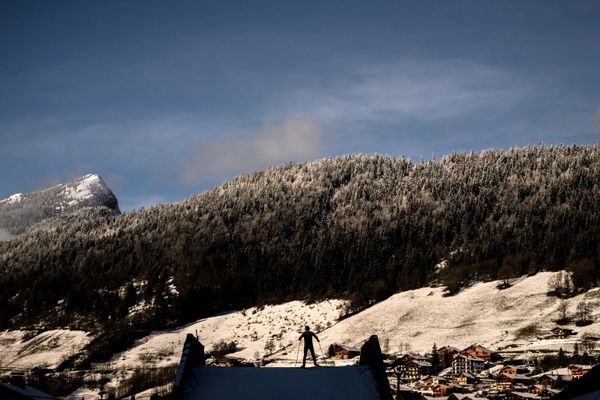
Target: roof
{"x":466,"y":396}
{"x":421,"y":363}
{"x":517,"y":377}
{"x":479,"y":346}
{"x":467,"y":375}
{"x":27,"y":392}
{"x":526,"y":395}
{"x":349,"y":348}
{"x":292,"y":383}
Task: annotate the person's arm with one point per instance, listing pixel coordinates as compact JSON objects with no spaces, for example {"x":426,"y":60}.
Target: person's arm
{"x":300,"y":338}
{"x":316,"y":337}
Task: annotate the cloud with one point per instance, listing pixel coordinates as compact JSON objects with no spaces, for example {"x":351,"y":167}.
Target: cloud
{"x":291,"y":139}
{"x":6,"y":235}
{"x":424,"y":90}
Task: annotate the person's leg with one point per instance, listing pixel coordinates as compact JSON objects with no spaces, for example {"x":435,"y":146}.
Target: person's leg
{"x":312,"y":351}
{"x":305,"y":354}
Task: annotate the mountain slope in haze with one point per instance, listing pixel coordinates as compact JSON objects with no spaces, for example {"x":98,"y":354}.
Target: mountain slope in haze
{"x":43,"y":209}
{"x":355,"y":227}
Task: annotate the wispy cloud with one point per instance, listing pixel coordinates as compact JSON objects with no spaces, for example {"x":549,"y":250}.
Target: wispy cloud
{"x":290,"y":139}
{"x":426,"y":90}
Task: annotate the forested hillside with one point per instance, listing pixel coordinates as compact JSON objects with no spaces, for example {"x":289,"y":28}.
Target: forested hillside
{"x":361,"y":227}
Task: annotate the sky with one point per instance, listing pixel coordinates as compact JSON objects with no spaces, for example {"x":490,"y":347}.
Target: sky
{"x":166,"y":99}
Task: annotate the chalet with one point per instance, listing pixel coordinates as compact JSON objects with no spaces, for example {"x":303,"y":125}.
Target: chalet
{"x":577,"y":371}
{"x":506,"y":382}
{"x":466,"y":378}
{"x":429,"y":382}
{"x":561,"y":333}
{"x":463,"y":363}
{"x":194,"y":380}
{"x":447,"y":349}
{"x":441,"y":390}
{"x":413,"y":369}
{"x":514,"y":369}
{"x":346,"y":352}
{"x":481,"y":352}
{"x":548,"y":380}
{"x":540,"y":390}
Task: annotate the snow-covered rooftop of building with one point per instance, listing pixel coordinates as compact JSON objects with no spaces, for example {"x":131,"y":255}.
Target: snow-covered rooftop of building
{"x":334,"y":383}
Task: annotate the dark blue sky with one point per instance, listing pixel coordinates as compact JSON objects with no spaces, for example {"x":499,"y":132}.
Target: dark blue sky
{"x":167,"y":99}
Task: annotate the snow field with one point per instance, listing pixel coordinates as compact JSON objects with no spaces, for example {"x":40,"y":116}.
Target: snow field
{"x":48,"y":349}
{"x":479,"y":314}
{"x":251,"y":329}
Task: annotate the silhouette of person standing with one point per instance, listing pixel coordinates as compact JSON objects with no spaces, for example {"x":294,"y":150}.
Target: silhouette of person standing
{"x":308,"y":345}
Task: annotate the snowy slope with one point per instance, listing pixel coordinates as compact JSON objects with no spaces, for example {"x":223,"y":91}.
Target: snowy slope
{"x":479,"y":314}
{"x":48,"y":349}
{"x":251,"y":329}
{"x":417,"y":318}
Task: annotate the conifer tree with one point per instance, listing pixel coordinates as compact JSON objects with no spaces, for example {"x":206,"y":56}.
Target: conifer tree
{"x":435,"y":360}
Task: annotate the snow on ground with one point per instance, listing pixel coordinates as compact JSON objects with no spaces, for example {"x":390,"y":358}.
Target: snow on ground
{"x":408,"y":320}
{"x":251,"y":329}
{"x":48,"y":349}
{"x":479,"y":314}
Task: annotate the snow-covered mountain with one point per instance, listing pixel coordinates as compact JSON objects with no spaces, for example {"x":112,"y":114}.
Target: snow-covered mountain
{"x":20,"y":212}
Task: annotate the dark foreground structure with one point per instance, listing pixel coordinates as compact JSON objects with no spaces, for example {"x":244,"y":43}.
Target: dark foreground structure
{"x":365,"y":381}
{"x":21,"y":391}
{"x":585,"y":388}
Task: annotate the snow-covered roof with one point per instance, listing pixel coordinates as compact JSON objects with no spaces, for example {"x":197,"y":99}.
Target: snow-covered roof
{"x":473,"y":346}
{"x":517,"y":377}
{"x":356,"y":382}
{"x":526,"y":395}
{"x":349,"y":348}
{"x":420,"y":363}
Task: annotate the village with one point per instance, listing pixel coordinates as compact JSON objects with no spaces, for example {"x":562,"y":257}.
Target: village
{"x":472,"y":373}
{"x":478,"y":373}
